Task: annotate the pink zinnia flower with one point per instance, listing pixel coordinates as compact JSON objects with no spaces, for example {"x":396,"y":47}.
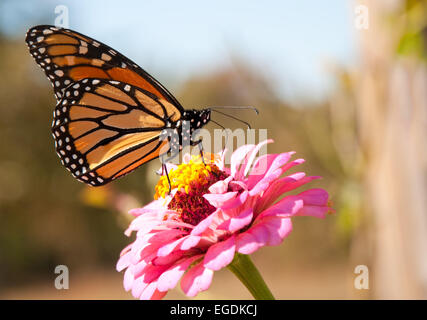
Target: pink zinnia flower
{"x":213,"y":213}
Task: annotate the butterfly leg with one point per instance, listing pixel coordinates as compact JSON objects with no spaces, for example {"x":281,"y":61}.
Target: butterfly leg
{"x":165,"y":171}
{"x":200,"y":145}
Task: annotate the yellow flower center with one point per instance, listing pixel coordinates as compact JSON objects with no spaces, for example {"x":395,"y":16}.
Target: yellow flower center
{"x":192,"y":180}
{"x":195,"y":172}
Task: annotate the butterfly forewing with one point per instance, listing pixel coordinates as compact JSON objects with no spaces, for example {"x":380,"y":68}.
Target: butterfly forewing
{"x":67,"y":56}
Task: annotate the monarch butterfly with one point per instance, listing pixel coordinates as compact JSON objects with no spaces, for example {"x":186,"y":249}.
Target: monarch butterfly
{"x":111,"y":116}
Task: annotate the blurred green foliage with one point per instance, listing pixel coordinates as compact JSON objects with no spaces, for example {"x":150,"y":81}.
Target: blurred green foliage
{"x":413,"y":39}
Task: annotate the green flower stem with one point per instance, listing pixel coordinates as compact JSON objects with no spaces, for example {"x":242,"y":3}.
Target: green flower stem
{"x":246,"y":271}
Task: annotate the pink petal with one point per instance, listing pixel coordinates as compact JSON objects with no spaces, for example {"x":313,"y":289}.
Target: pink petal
{"x":168,"y":248}
{"x":170,"y":277}
{"x":219,"y":199}
{"x":220,"y":186}
{"x":220,"y":254}
{"x":261,"y":233}
{"x":171,"y":224}
{"x":260,"y":187}
{"x":260,"y":167}
{"x":144,"y":224}
{"x":145,"y":253}
{"x":238,"y":222}
{"x":167,"y":260}
{"x":153,"y":206}
{"x":256,"y":185}
{"x":124,"y":261}
{"x":204,"y":224}
{"x":220,"y":162}
{"x":139,"y":268}
{"x":287,"y":183}
{"x":138,"y":287}
{"x":149,"y":291}
{"x":245,"y":169}
{"x":280,"y":161}
{"x":288,"y":206}
{"x":185,"y":243}
{"x":254,"y":238}
{"x":238,"y":156}
{"x":165,"y":236}
{"x":227,"y":200}
{"x":126,"y":249}
{"x":197,"y":279}
{"x":152,"y":272}
{"x":315,"y":203}
{"x":279,"y":187}
{"x":278,"y":228}
{"x":236,"y":202}
{"x":128,"y":279}
{"x":247,"y":243}
{"x":138,"y":246}
{"x":152,"y":242}
{"x":240,"y":184}
{"x":314,"y":211}
{"x":315,"y":197}
{"x":267,"y":163}
{"x":157,"y":295}
{"x":190,"y":242}
{"x":292,"y":164}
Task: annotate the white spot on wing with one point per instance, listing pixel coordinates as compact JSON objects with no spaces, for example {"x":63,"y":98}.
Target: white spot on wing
{"x":105,"y":57}
{"x":83,"y":50}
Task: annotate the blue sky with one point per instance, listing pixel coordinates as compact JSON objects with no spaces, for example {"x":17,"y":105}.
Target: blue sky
{"x":288,"y":41}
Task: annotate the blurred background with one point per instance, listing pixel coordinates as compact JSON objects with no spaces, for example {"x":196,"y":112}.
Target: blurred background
{"x":342,"y":84}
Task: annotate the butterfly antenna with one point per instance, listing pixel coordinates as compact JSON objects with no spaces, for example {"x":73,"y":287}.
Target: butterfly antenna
{"x":232,"y":117}
{"x":218,"y":124}
{"x":236,"y":107}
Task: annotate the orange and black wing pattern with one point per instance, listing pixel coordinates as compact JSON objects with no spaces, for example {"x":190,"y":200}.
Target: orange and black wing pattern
{"x":67,"y":56}
{"x":104,"y":129}
{"x":110,"y":113}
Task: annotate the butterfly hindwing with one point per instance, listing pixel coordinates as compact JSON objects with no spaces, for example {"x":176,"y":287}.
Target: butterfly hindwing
{"x":106,"y":129}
